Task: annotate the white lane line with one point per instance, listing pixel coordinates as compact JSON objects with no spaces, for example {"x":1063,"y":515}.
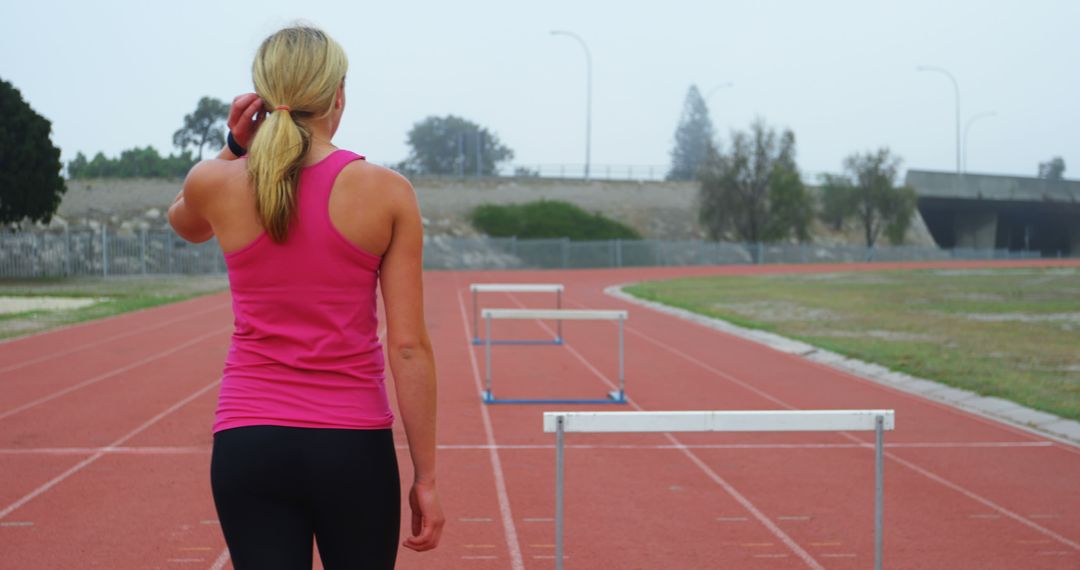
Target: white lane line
{"x":838,"y":555}
{"x":987,"y":502}
{"x":33,"y":335}
{"x":476,"y":520}
{"x":149,"y":450}
{"x":794,"y":518}
{"x":516,"y":560}
{"x":202,"y":450}
{"x":749,"y":506}
{"x":732,"y":519}
{"x":914,"y":445}
{"x":16,"y":523}
{"x":984,"y":516}
{"x":221,"y":561}
{"x":735,"y":494}
{"x":538,"y":519}
{"x":932,"y":476}
{"x":770,"y":556}
{"x":98,"y":342}
{"x":80,"y":465}
{"x":114,"y":372}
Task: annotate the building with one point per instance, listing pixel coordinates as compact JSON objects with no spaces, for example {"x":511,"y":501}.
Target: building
{"x":984,"y":211}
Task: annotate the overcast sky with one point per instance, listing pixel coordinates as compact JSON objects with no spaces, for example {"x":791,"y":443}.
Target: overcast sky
{"x":842,"y":74}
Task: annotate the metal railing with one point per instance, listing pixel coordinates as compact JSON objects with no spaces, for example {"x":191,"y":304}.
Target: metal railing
{"x":108,"y":252}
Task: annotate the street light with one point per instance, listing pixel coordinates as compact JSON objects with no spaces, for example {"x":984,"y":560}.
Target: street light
{"x":967,"y":129}
{"x":956,"y":87}
{"x":588,"y":94}
{"x":724,"y":85}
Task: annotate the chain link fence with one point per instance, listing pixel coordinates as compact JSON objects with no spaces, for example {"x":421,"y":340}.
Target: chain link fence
{"x":107,"y":253}
{"x":511,"y":253}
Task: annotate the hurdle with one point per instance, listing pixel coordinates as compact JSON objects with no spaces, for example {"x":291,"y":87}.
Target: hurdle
{"x":745,"y":421}
{"x":478,"y":288}
{"x":614,"y":397}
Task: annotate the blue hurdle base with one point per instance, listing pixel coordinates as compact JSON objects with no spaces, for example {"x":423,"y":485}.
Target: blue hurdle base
{"x":555,"y":341}
{"x":614,"y":397}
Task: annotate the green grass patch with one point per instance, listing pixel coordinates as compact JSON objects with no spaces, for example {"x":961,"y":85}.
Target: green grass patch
{"x":119,"y":295}
{"x":547,"y":219}
{"x":1007,"y":333}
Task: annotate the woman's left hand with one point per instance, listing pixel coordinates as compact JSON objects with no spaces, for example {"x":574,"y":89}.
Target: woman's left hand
{"x":246,"y":115}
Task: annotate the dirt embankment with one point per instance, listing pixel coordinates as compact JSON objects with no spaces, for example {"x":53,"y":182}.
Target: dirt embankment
{"x":658,"y":210}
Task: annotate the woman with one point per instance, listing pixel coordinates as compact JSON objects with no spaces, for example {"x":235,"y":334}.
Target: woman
{"x":302,"y":440}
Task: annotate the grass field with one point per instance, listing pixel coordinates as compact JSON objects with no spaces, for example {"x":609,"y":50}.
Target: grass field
{"x":117,"y":295}
{"x":1013,"y":334}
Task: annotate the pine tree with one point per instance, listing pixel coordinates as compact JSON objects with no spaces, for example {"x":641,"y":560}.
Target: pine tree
{"x":692,"y":137}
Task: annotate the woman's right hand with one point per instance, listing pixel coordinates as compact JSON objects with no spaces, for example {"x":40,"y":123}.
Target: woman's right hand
{"x":247,"y":113}
{"x":427,"y":517}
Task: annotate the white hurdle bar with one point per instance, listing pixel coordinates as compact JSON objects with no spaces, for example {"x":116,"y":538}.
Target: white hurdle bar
{"x":478,"y":288}
{"x":877,"y":421}
{"x":560,"y":315}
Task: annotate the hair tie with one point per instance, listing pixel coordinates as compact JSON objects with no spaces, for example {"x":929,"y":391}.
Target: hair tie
{"x":283,"y":108}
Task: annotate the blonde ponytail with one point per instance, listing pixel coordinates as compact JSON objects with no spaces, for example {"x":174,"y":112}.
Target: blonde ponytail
{"x":297,"y":72}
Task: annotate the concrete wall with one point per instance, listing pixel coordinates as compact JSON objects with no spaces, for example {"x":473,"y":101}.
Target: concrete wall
{"x":977,"y":230}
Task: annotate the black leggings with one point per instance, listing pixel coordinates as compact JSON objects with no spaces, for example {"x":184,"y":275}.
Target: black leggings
{"x":277,"y":487}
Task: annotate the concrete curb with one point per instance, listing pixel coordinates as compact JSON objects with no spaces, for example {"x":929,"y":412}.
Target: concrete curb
{"x":1034,"y":421}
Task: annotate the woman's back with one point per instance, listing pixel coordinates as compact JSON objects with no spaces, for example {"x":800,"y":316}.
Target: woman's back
{"x":305,"y":351}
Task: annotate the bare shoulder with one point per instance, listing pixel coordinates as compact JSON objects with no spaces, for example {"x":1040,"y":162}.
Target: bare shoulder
{"x":379,"y":183}
{"x":209,"y":178}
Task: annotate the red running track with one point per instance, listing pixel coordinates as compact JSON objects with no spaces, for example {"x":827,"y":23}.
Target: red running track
{"x":105,"y":449}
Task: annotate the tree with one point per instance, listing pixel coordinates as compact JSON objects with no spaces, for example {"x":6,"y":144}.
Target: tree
{"x":867,"y":191}
{"x":838,"y":200}
{"x":1053,"y":169}
{"x":30,"y":182}
{"x":692,"y":137}
{"x":453,"y":145}
{"x":205,"y":125}
{"x":754,"y":192}
{"x":132,"y":163}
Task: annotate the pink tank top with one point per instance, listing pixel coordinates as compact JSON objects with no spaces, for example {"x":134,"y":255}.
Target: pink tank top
{"x":305,"y":349}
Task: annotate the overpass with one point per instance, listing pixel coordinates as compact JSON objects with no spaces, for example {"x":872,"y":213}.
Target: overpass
{"x":1001,"y":212}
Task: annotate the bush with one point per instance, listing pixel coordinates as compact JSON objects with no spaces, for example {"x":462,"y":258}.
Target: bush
{"x":548,"y":219}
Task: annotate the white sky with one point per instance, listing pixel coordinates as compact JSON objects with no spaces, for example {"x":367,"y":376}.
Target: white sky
{"x":112,"y":75}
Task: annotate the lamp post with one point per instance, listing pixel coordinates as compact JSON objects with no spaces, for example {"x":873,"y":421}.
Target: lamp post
{"x":724,"y":85}
{"x":967,"y":129}
{"x":588,"y":94}
{"x":956,"y":88}
{"x":716,"y":88}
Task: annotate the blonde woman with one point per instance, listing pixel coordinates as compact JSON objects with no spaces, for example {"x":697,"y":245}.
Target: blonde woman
{"x":302,"y":442}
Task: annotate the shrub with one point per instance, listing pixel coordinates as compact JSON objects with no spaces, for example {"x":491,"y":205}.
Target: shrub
{"x":548,"y":219}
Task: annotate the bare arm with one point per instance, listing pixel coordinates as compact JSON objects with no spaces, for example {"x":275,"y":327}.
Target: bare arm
{"x":185,"y":216}
{"x":412,"y":360}
{"x":187,"y":212}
